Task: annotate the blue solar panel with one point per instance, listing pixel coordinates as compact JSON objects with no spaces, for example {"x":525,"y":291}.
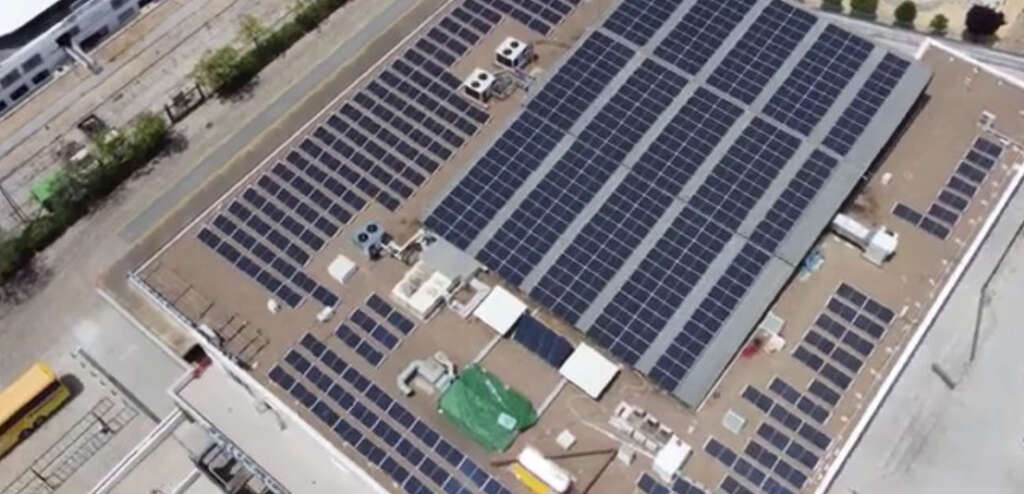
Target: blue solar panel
{"x":762,"y":50}
{"x":865,"y":105}
{"x":818,"y":79}
{"x":701,"y":31}
{"x":638,"y":20}
{"x":642,"y":307}
{"x":541,"y":340}
{"x":790,"y":206}
{"x":573,"y":181}
{"x":619,"y":226}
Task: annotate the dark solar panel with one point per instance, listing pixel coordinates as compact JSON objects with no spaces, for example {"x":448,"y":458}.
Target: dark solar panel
{"x":638,"y":20}
{"x":865,"y":105}
{"x":761,"y":51}
{"x":546,"y":212}
{"x":818,"y":78}
{"x":701,"y":31}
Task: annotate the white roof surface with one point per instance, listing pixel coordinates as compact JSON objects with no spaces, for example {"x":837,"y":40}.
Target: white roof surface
{"x":17,"y":13}
{"x":500,"y":310}
{"x":589,"y":370}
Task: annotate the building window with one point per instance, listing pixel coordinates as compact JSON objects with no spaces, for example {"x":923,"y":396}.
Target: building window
{"x":18,"y":93}
{"x":9,"y":79}
{"x":33,"y":62}
{"x":125,"y":16}
{"x":42,"y":76}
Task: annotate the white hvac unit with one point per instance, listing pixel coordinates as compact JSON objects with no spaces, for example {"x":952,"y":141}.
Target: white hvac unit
{"x":479,"y":85}
{"x":513,"y":53}
{"x":878,"y":244}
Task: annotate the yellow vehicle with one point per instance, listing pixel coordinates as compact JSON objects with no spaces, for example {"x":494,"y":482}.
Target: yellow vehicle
{"x":27,"y":402}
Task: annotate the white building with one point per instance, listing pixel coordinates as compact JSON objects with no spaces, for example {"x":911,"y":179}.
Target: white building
{"x":38,"y":37}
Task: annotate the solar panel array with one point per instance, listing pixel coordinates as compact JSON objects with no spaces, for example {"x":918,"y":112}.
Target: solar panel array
{"x":381,"y":146}
{"x":638,"y":20}
{"x":869,"y":99}
{"x":761,"y":51}
{"x":637,"y":187}
{"x":701,"y":32}
{"x":954,"y":198}
{"x":541,"y":340}
{"x":387,"y":434}
{"x":494,"y":178}
{"x":647,"y":484}
{"x":818,"y":79}
{"x":531,"y":230}
{"x":842,"y":337}
{"x":373,"y":337}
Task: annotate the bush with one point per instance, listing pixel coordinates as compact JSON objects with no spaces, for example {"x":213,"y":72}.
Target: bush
{"x":864,"y":8}
{"x":905,"y":13}
{"x":984,"y":21}
{"x":218,"y":67}
{"x":119,"y":153}
{"x":832,"y":5}
{"x":226,"y":71}
{"x":939,"y":24}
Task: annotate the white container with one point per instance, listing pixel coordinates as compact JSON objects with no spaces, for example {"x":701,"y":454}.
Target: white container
{"x":548,"y":471}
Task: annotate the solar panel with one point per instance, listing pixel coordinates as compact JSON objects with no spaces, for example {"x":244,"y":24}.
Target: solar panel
{"x":761,"y":50}
{"x":865,"y":105}
{"x":621,"y":223}
{"x":638,"y":20}
{"x":572,"y":182}
{"x":815,"y":83}
{"x":542,"y":341}
{"x":527,"y":241}
{"x":701,"y":31}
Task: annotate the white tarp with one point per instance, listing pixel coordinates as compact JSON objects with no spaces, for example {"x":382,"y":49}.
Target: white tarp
{"x":589,"y":370}
{"x":500,"y":310}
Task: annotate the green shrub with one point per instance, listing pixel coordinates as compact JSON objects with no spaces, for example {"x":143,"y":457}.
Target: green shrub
{"x":119,"y":153}
{"x":226,"y":71}
{"x":939,"y":24}
{"x":905,"y":13}
{"x":864,"y":8}
{"x":832,"y":5}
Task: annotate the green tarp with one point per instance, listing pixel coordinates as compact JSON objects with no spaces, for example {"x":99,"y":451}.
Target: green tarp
{"x":483,"y":407}
{"x":44,"y":188}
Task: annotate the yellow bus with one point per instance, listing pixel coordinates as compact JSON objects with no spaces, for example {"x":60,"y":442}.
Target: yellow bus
{"x":27,"y":402}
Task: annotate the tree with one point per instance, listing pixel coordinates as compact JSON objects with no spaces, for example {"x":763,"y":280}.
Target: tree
{"x":984,"y":21}
{"x":939,"y":24}
{"x":217,"y":68}
{"x":252,"y":29}
{"x":866,"y":8}
{"x":905,"y":13}
{"x":832,"y":5}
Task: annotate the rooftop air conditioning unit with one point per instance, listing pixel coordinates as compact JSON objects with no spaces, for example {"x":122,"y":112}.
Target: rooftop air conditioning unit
{"x":369,"y":239}
{"x":513,"y":53}
{"x":479,"y":85}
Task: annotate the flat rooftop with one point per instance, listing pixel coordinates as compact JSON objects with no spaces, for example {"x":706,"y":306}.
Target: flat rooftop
{"x":799,"y":403}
